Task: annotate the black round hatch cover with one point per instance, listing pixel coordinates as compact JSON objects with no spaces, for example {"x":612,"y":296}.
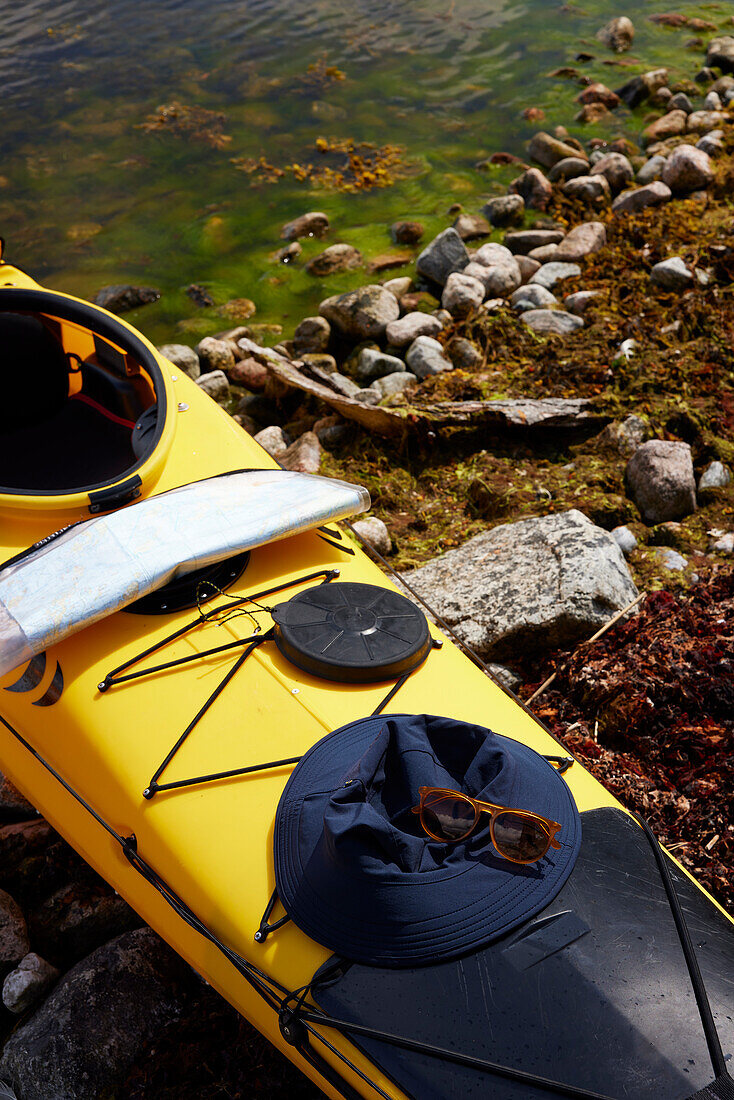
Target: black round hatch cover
{"x":355,"y":633}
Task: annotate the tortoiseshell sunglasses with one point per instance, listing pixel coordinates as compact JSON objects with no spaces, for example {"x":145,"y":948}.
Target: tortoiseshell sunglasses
{"x":518,"y":835}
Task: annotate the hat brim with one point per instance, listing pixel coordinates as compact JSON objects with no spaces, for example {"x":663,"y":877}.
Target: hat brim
{"x":410,"y":919}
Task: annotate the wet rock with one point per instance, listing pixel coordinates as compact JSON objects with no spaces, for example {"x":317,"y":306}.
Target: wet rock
{"x":552,"y":321}
{"x":599,"y":93}
{"x":640,"y":88}
{"x":121,"y":299}
{"x":624,"y":539}
{"x":311,"y":335}
{"x":215,"y":383}
{"x":579,"y":302}
{"x":394,"y":383}
{"x":671,"y":274}
{"x":720,"y":53}
{"x":303,"y":456}
{"x":28,"y":983}
{"x":548,"y":150}
{"x":618,"y":34}
{"x":715,"y":476}
{"x":660,"y":481}
{"x":86,"y":1037}
{"x":445,"y":254}
{"x":592,"y":112}
{"x":568,"y":169}
{"x":200,"y":296}
{"x":550,"y":274}
{"x":273,"y":440}
{"x":652,"y":169}
{"x":630,"y":202}
{"x":183,"y":357}
{"x":289,"y":254}
{"x":14,"y":942}
{"x":593,"y":190}
{"x":215,"y":355}
{"x":471,"y":227}
{"x":616,"y":169}
{"x":530,"y":585}
{"x":505,"y":210}
{"x":533,"y":188}
{"x":533,"y":297}
{"x":406,"y":232}
{"x":250,"y":374}
{"x":464,"y":353}
{"x":373,"y":364}
{"x":426,"y":357}
{"x":670,"y":125}
{"x":582,"y":241}
{"x":313,"y":224}
{"x":362,"y":314}
{"x":337,"y":257}
{"x":373,"y":534}
{"x":406,"y":329}
{"x":687,"y":169}
{"x":526,"y":240}
{"x":462,"y":294}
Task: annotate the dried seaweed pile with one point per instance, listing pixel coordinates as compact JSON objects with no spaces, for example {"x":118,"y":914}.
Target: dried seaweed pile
{"x":649,"y":709}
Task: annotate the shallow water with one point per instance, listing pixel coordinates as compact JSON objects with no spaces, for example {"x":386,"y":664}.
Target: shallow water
{"x":90,"y":197}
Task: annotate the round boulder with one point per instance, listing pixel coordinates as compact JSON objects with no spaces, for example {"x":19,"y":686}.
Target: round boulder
{"x":660,"y":480}
{"x":362,"y":314}
{"x":688,"y":169}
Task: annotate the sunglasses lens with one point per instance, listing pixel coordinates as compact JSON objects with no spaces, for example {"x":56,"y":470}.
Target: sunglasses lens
{"x":520,"y":838}
{"x":448,"y":817}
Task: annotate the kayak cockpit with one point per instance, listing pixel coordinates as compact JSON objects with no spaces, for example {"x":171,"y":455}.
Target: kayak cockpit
{"x":83,"y":397}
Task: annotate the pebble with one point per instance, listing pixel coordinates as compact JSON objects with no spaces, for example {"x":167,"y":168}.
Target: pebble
{"x":445,"y":254}
{"x":680,"y":102}
{"x":337,"y":257}
{"x":653,"y":194}
{"x":426,"y":357}
{"x":289,"y":253}
{"x":321,"y":361}
{"x":373,"y":534}
{"x":711,"y":145}
{"x":568,"y":169}
{"x":183,"y":357}
{"x":670,"y":125}
{"x":313,"y":224}
{"x":121,"y":299}
{"x":527,"y":267}
{"x":303,"y":456}
{"x":712,"y":102}
{"x":471,"y":227}
{"x":406,"y":329}
{"x":464,"y":353}
{"x":548,"y":150}
{"x":671,"y":274}
{"x":582,"y":241}
{"x":715,"y":476}
{"x":624,"y":539}
{"x":688,"y":169}
{"x":720,"y":53}
{"x":373,"y":364}
{"x":545,"y":254}
{"x":394,"y":383}
{"x":552,"y":321}
{"x":273,"y":440}
{"x":504,"y":676}
{"x":215,"y":383}
{"x":669,"y":558}
{"x":651,"y":170}
{"x":579,"y":302}
{"x":640,"y":88}
{"x":618,"y":34}
{"x":700,"y":122}
{"x":28,"y":983}
{"x":462,"y":294}
{"x":616,"y":169}
{"x":589,"y":189}
{"x":399,"y":286}
{"x":724,"y":544}
{"x":490,"y":254}
{"x":523,"y":242}
{"x":599,"y":93}
{"x":498,"y":279}
{"x":214,"y":355}
{"x":406,"y":232}
{"x":660,"y":480}
{"x":362,"y":314}
{"x":534,"y":188}
{"x":250,"y":374}
{"x":311,"y":335}
{"x":534,"y":297}
{"x":505,"y":210}
{"x":550,"y":274}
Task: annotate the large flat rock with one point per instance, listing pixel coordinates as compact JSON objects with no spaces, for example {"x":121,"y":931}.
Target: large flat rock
{"x":528,"y":586}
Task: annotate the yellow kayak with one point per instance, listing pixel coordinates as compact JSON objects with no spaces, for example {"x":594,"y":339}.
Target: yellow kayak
{"x":160,"y":737}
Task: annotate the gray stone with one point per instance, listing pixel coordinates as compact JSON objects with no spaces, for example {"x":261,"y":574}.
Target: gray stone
{"x":688,"y":169}
{"x":215,"y":355}
{"x":527,"y":267}
{"x":715,"y":476}
{"x":471,"y":227}
{"x":446,"y":253}
{"x":660,"y":481}
{"x":548,"y":150}
{"x":593,"y":190}
{"x":399,"y":286}
{"x":680,"y":102}
{"x":531,"y":585}
{"x":712,"y":102}
{"x":370,"y":396}
{"x":534,"y":188}
{"x":579,"y":302}
{"x":712,"y":146}
{"x":86,"y":1037}
{"x":491,"y":254}
{"x":524,"y":241}
{"x":303,"y":456}
{"x":669,"y":558}
{"x":550,"y":274}
{"x":406,"y":232}
{"x":121,"y":299}
{"x":505,"y":210}
{"x":723,"y":544}
{"x":215,"y":383}
{"x":499,"y":274}
{"x":78,"y":918}
{"x":545,"y":253}
{"x":667,"y":126}
{"x":426,"y":356}
{"x":311,"y":336}
{"x":720,"y":53}
{"x":618,"y":34}
{"x":624,"y":539}
{"x":406,"y":329}
{"x":183,"y":357}
{"x":320,"y":361}
{"x":651,"y":170}
{"x":464,"y":353}
{"x":313,"y":224}
{"x":624,"y":437}
{"x":671,"y":274}
{"x":373,"y":534}
{"x":14,"y":943}
{"x":568,"y":168}
{"x":631,"y":202}
{"x":640,"y":88}
{"x":504,"y":676}
{"x":395,"y":383}
{"x":536,"y":295}
{"x":343,"y":384}
{"x":28,"y":983}
{"x":362,"y":314}
{"x":373,"y":364}
{"x":582,"y":241}
{"x":337,"y":257}
{"x":554,"y":321}
{"x":616,"y":169}
{"x":462,"y":294}
{"x":289,"y":253}
{"x":273,"y":440}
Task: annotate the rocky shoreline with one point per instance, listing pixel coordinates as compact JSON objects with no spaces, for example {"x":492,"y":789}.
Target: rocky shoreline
{"x":558,"y":405}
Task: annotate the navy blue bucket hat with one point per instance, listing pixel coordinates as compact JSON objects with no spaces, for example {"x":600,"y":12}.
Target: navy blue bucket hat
{"x":354,"y":869}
